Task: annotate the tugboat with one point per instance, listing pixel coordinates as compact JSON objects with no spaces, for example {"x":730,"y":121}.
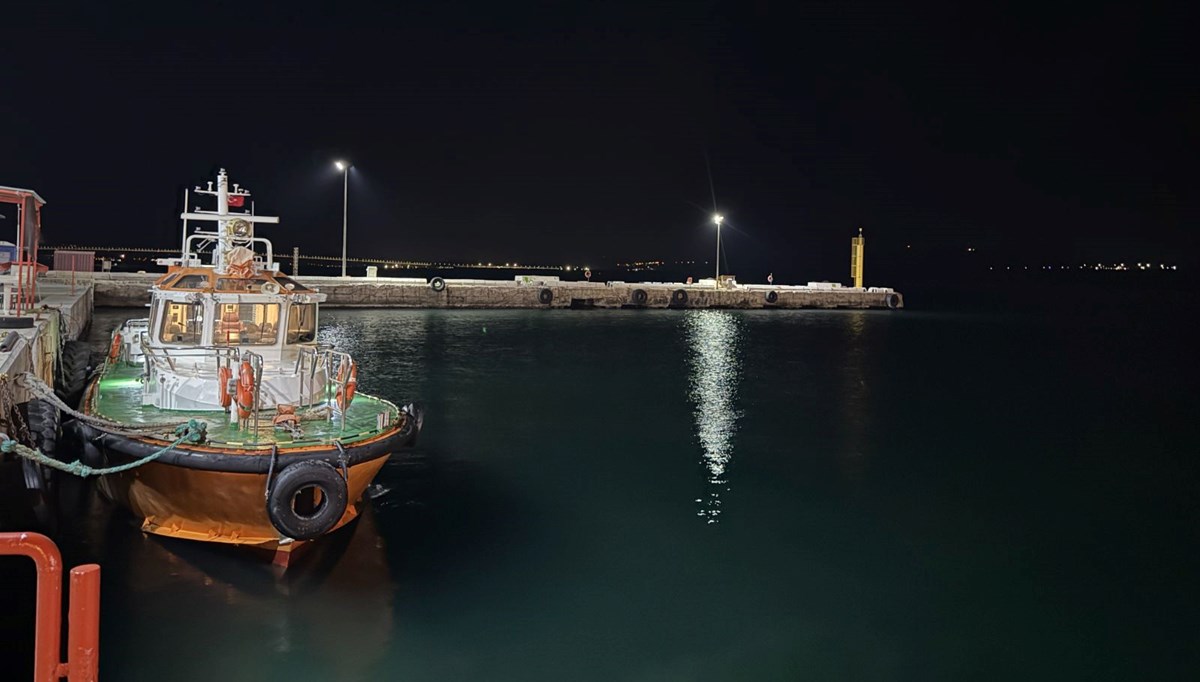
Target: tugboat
{"x":277,"y":446}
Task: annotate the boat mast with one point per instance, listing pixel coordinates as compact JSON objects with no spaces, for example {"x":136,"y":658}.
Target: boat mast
{"x":233,"y":229}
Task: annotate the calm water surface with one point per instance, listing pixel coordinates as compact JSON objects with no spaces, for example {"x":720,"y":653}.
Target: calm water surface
{"x":719,"y":495}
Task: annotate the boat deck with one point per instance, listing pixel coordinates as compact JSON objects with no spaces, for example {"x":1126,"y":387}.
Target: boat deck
{"x":118,"y":396}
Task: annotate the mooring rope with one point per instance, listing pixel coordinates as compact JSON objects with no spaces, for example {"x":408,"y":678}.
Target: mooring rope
{"x":34,"y":384}
{"x":192,"y":432}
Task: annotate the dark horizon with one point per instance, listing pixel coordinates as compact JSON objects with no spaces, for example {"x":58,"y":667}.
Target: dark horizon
{"x":568,"y":134}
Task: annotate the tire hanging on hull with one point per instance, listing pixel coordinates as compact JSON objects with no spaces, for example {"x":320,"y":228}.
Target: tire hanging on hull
{"x":302,"y":515}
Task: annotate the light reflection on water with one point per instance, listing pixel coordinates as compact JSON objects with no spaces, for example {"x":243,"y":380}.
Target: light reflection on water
{"x":715,"y":338}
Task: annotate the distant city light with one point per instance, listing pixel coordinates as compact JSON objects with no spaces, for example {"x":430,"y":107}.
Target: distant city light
{"x":1117,"y":267}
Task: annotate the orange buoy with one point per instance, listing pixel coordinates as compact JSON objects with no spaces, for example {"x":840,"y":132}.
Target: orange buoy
{"x":245,"y":390}
{"x":224,"y":374}
{"x":349,"y":379}
{"x":115,"y":350}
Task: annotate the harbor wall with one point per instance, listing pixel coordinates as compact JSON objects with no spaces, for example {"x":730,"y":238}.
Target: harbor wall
{"x":63,"y":313}
{"x":132,"y":290}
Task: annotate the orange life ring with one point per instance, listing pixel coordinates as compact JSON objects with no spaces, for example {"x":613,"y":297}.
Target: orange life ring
{"x":224,"y":374}
{"x":351,"y":384}
{"x":115,"y":349}
{"x":245,"y":390}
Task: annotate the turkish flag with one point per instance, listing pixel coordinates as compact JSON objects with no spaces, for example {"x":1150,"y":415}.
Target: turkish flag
{"x":237,"y":200}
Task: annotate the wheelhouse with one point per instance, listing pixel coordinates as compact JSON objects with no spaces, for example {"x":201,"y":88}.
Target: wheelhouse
{"x":271,"y":314}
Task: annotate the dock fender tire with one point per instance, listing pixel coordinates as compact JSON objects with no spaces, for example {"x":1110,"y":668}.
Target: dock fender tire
{"x":307,"y":525}
{"x":437,"y":284}
{"x":892,"y":301}
{"x":46,"y":431}
{"x":45,"y":426}
{"x":7,"y":322}
{"x":772,"y":297}
{"x":639,"y":297}
{"x":545,"y":296}
{"x":678,"y":297}
{"x":76,"y":362}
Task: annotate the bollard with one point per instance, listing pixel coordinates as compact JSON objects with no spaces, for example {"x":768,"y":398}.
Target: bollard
{"x":83,"y":624}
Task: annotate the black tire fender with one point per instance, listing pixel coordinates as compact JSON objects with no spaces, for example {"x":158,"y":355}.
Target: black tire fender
{"x":545,"y":296}
{"x":7,"y":322}
{"x":76,"y":359}
{"x":892,"y":301}
{"x":300,"y":476}
{"x":639,"y":297}
{"x":772,"y":297}
{"x":437,"y":284}
{"x":46,"y":432}
{"x":678,"y":297}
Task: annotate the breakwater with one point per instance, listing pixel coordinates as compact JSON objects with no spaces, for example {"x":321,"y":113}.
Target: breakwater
{"x":131,"y":290}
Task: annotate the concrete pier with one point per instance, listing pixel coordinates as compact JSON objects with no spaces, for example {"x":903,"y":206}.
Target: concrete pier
{"x":131,"y":290}
{"x":62,"y":313}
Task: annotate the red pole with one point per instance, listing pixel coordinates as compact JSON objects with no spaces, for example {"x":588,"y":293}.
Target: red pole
{"x":83,"y":624}
{"x":48,"y":561}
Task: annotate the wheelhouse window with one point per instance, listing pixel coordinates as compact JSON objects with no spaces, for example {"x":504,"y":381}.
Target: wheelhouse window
{"x":182,"y":323}
{"x":302,"y":323}
{"x":246,"y":324}
{"x":191,"y":282}
{"x":241,"y":286}
{"x":290,"y":284}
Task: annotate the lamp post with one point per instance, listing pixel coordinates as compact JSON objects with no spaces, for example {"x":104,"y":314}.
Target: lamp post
{"x":345,"y":169}
{"x":717,"y":218}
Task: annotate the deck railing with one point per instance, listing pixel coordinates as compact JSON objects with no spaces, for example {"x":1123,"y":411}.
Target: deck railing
{"x":83,"y":618}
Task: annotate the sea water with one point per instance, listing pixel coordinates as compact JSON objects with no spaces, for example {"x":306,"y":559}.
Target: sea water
{"x":714,"y":495}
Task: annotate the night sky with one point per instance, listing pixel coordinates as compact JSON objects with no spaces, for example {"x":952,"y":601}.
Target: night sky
{"x":573,"y":133}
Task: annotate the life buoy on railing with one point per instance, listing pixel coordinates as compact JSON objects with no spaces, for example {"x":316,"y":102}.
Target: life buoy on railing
{"x":545,"y":296}
{"x":639,"y":297}
{"x":224,"y":374}
{"x":114,"y":351}
{"x":772,"y":296}
{"x":347,"y":384}
{"x":307,"y":499}
{"x":245,"y":390}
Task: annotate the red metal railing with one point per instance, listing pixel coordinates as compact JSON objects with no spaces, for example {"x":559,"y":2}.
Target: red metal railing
{"x":83,"y":619}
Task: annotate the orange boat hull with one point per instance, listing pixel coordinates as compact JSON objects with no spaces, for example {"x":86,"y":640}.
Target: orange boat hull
{"x":214,"y":506}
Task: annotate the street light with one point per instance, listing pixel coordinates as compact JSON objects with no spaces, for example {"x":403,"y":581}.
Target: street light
{"x":718,"y":218}
{"x":345,"y":168}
